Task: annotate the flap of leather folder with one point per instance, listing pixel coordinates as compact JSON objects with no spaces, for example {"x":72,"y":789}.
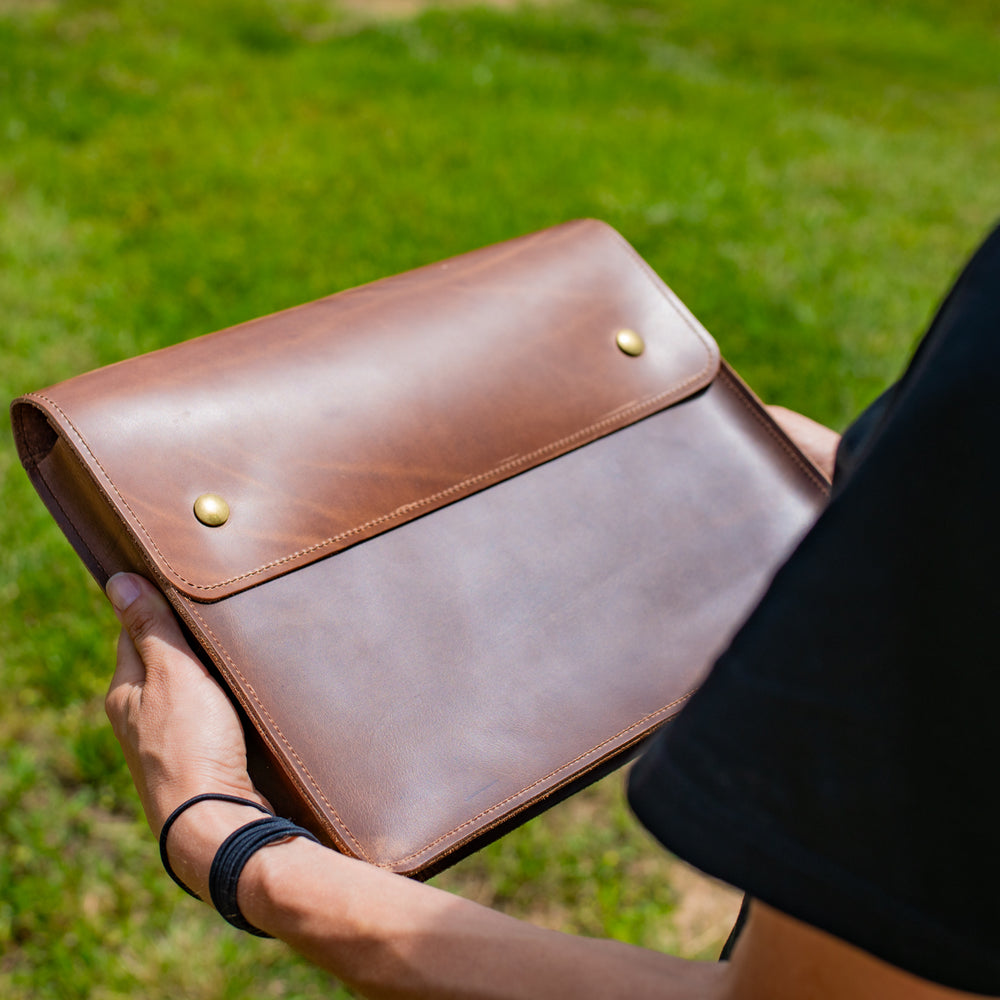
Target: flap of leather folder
{"x":326,"y":424}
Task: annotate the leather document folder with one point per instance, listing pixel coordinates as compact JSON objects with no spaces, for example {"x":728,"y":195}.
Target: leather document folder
{"x":456,"y":541}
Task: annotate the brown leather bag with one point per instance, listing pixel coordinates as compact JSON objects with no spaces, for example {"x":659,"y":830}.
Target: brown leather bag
{"x":485,"y":526}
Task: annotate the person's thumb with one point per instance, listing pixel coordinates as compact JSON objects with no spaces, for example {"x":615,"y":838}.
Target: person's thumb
{"x":148,"y":620}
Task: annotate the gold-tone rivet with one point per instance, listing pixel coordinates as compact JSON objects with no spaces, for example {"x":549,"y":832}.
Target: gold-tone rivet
{"x":211,"y":509}
{"x":630,"y":342}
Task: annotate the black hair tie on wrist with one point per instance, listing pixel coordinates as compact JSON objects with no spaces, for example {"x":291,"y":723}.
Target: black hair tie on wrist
{"x":231,"y":859}
{"x":175,"y":815}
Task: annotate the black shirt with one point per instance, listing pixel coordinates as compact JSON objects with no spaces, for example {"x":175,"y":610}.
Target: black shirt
{"x":839,"y":762}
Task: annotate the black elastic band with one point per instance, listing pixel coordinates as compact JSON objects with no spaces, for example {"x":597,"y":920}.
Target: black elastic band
{"x":173,"y":817}
{"x":232,"y":856}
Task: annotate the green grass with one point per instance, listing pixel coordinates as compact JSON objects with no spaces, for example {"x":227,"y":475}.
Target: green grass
{"x":807,"y":177}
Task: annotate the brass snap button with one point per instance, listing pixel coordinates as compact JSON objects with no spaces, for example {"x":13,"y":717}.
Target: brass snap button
{"x":211,"y":510}
{"x":630,"y":342}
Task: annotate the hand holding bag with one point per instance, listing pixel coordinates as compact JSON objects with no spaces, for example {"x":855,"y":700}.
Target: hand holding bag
{"x":455,"y":541}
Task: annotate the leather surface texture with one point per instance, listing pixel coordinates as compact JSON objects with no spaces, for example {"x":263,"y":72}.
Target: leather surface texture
{"x":476,"y":553}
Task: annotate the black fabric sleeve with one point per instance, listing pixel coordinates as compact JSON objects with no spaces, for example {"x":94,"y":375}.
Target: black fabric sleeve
{"x":839,"y":762}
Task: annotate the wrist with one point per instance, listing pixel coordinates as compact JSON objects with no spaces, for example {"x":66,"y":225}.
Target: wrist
{"x":196,"y":836}
{"x":263,"y":894}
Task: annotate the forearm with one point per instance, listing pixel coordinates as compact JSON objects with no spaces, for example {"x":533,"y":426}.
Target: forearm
{"x":391,"y":937}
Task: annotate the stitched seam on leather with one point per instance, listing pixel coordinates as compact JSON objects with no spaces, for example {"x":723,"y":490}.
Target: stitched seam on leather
{"x":620,"y":417}
{"x":778,"y":437}
{"x":540,"y":781}
{"x":249,"y":688}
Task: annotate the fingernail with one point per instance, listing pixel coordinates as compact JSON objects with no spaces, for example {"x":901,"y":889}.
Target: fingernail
{"x":122,"y":589}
